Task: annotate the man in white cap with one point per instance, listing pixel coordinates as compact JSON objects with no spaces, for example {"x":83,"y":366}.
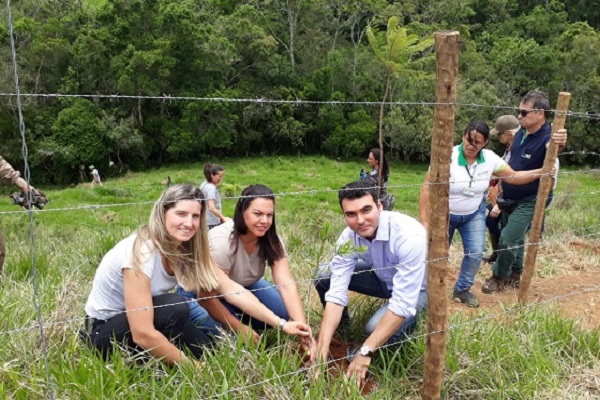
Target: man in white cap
{"x":505,"y":128}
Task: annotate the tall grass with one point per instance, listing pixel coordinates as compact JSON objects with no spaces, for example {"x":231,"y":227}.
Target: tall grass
{"x":534,"y":353}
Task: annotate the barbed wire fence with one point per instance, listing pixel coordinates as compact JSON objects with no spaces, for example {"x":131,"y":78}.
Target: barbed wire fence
{"x":42,"y":325}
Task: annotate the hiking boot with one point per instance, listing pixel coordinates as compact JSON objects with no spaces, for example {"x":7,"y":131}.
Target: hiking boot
{"x":465,"y":297}
{"x":493,"y":285}
{"x":514,"y":280}
{"x":494,"y":239}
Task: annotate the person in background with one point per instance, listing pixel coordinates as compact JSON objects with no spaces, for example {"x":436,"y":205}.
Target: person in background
{"x":378,"y":164}
{"x":213,"y":174}
{"x":131,"y":303}
{"x":95,"y":176}
{"x":471,"y":168}
{"x":528,"y":152}
{"x":10,"y":177}
{"x":243,"y":247}
{"x":391,"y":266}
{"x":504,"y":129}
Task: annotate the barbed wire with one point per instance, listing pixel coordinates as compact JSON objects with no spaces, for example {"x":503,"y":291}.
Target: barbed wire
{"x":300,"y":281}
{"x":449,"y":328}
{"x":94,"y":207}
{"x":297,"y":101}
{"x":27,"y":174}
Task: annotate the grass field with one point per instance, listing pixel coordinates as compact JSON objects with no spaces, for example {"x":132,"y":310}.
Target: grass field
{"x":522,"y":354}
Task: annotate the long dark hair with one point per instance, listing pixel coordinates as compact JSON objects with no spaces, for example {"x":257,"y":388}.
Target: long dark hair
{"x":269,"y":245}
{"x":211,"y":169}
{"x":381,"y":164}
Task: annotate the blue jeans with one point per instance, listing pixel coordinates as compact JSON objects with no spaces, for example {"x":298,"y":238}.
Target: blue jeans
{"x":472,"y":231}
{"x":263,"y":290}
{"x":369,"y":284}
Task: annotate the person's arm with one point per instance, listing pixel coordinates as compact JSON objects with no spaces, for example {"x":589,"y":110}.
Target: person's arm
{"x":331,"y":319}
{"x":213,"y":209}
{"x":221,"y":314}
{"x":11,"y":177}
{"x":282,"y":276}
{"x":138,"y":299}
{"x":424,"y":202}
{"x":513,"y":177}
{"x":238,"y":296}
{"x":560,"y":138}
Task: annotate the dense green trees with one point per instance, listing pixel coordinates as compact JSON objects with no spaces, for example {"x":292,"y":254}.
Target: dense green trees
{"x":267,"y":49}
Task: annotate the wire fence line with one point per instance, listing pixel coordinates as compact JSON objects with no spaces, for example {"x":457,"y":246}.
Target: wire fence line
{"x":319,"y":365}
{"x":308,"y":281}
{"x":282,"y":194}
{"x":297,"y":101}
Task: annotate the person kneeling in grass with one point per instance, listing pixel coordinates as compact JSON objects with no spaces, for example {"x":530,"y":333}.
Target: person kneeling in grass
{"x":392,"y":267}
{"x":243,"y":247}
{"x":130,"y":303}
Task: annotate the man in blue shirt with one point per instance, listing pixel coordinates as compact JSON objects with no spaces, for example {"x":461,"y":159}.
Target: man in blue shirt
{"x":380,"y":254}
{"x":528,"y":152}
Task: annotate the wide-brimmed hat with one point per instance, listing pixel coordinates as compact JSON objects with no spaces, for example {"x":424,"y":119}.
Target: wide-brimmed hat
{"x":504,"y":123}
{"x":91,"y":167}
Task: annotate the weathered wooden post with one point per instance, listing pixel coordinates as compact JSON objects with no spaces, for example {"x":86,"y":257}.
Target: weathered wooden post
{"x":447,"y":48}
{"x":546,"y":184}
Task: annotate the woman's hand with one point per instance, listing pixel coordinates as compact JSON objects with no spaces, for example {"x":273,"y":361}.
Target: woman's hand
{"x":494,"y":212}
{"x":247,"y":333}
{"x":296,"y":328}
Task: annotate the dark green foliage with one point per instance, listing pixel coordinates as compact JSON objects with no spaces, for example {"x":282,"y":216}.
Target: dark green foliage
{"x":274,"y":50}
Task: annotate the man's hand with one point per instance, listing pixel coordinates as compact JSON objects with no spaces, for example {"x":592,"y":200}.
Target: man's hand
{"x":560,"y":137}
{"x":309,"y":346}
{"x":358,"y":369}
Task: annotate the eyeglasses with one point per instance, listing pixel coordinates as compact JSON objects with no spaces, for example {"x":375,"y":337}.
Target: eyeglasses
{"x":524,"y":113}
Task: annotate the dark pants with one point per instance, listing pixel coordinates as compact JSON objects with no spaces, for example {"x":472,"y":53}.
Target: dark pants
{"x":172,"y":321}
{"x":2,"y":252}
{"x":493,"y":223}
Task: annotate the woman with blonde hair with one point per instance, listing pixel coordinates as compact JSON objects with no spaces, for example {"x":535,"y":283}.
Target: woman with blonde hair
{"x":130,"y":302}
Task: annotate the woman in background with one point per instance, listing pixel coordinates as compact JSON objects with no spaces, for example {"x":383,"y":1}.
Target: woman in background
{"x":213,"y":174}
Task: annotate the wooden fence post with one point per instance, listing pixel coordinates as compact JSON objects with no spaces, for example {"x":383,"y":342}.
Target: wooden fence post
{"x":447,"y":48}
{"x":546,"y":184}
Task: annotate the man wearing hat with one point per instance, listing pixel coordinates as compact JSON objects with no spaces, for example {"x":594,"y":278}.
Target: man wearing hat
{"x":528,"y":152}
{"x":505,"y":128}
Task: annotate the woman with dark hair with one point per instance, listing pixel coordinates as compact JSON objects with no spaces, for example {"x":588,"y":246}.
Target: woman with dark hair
{"x":130,"y":303}
{"x":243,"y":247}
{"x":213,"y":174}
{"x":471,"y":168}
{"x":377,"y":164}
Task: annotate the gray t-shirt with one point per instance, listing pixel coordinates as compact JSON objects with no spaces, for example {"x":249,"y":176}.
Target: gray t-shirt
{"x":211,"y":193}
{"x":107,"y":297}
{"x":245,"y":269}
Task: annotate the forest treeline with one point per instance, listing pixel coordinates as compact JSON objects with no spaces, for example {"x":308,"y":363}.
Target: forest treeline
{"x":287,"y":50}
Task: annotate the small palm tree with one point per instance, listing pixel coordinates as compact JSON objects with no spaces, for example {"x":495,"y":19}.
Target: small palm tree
{"x":396,"y":49}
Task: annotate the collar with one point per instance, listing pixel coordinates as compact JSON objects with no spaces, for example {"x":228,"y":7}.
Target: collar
{"x":383,"y":230}
{"x":461,"y":157}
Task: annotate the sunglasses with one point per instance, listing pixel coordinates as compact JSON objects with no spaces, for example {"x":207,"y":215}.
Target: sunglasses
{"x":524,"y":113}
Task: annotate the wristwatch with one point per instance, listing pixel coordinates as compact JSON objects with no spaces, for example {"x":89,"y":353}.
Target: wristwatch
{"x":281,"y":323}
{"x":365,"y":351}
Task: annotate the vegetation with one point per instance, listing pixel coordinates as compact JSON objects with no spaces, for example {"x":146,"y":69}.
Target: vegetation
{"x":309,"y":50}
{"x":520,"y":354}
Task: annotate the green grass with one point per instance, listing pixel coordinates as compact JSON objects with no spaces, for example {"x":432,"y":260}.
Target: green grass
{"x":527,"y":354}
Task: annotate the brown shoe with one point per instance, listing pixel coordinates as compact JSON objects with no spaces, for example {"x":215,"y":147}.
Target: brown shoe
{"x":514,"y":280}
{"x":494,"y":285}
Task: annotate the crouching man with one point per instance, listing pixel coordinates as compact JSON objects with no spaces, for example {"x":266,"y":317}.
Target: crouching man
{"x":385,"y":257}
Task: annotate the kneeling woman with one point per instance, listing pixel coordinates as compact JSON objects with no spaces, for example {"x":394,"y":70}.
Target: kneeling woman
{"x":130,"y":303}
{"x":243,"y":247}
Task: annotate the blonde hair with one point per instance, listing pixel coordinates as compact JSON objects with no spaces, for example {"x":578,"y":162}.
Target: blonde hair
{"x":190,"y":261}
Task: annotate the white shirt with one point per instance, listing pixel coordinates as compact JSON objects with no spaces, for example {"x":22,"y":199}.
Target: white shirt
{"x":107,"y":297}
{"x":398,"y":255}
{"x":468,"y":183}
